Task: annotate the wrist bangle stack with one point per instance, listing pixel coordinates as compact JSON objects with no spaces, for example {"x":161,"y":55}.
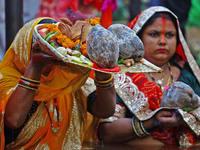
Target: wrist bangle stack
{"x":139,"y":128}
{"x":29,"y":83}
{"x":144,"y":130}
{"x":105,"y":84}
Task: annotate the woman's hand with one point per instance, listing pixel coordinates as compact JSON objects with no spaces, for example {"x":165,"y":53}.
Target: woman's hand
{"x":21,"y":100}
{"x":39,"y":59}
{"x":169,"y":118}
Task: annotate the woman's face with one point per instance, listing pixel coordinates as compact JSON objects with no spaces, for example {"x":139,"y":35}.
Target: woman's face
{"x":159,"y":41}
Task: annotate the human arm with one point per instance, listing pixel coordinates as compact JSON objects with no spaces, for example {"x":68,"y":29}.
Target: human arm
{"x":104,"y":104}
{"x":20,"y":102}
{"x":121,"y":130}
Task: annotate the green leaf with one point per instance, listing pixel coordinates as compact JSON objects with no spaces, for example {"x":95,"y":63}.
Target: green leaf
{"x":121,"y":60}
{"x":53,"y":45}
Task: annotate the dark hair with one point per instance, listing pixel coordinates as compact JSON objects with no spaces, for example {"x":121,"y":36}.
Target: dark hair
{"x":47,"y":21}
{"x":154,"y":17}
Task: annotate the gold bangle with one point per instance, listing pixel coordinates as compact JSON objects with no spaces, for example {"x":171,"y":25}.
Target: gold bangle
{"x":137,"y":128}
{"x":143,"y":129}
{"x":105,"y":86}
{"x":105,"y":81}
{"x":30,"y":80}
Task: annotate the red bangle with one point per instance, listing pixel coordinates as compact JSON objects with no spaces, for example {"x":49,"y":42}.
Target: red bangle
{"x":28,"y":83}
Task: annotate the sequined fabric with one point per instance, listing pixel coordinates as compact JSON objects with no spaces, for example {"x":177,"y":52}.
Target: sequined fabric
{"x":138,"y":104}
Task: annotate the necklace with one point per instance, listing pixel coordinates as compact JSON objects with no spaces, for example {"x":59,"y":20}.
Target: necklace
{"x":53,"y":129}
{"x":159,"y":82}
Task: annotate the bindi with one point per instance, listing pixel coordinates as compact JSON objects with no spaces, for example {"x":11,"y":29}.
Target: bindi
{"x":163,"y":24}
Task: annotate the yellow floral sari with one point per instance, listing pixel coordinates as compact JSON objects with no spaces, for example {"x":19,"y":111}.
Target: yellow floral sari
{"x":61,"y":85}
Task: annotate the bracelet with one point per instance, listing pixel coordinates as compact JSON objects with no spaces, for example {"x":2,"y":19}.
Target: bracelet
{"x":106,"y":81}
{"x":29,"y":83}
{"x":145,"y":131}
{"x":136,"y":127}
{"x":105,"y":84}
{"x":30,"y":80}
{"x":139,"y":128}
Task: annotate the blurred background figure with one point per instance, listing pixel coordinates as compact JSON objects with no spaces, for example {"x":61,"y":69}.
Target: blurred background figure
{"x":78,"y":10}
{"x":134,"y":9}
{"x":54,"y":8}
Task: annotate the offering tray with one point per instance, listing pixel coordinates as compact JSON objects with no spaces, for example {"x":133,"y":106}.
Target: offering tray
{"x":142,"y":66}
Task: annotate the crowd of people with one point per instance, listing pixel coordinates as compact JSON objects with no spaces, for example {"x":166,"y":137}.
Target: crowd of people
{"x":46,"y":104}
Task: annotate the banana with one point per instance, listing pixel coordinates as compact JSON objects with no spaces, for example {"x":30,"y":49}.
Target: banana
{"x":82,"y":60}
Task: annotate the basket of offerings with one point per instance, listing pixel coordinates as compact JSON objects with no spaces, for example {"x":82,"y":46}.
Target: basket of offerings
{"x":87,"y":44}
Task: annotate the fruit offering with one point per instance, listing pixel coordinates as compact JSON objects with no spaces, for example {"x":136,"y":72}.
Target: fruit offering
{"x":86,"y":43}
{"x":131,"y":48}
{"x":180,"y":95}
{"x":67,"y":39}
{"x":102,"y":47}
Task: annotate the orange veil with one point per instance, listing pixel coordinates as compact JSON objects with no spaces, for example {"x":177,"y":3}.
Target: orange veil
{"x":61,"y":85}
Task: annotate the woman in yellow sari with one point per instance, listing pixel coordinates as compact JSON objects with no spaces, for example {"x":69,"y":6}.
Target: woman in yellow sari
{"x":43,"y":102}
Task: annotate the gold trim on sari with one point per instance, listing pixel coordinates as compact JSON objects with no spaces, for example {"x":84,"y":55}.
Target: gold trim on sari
{"x":136,"y":101}
{"x":62,"y":84}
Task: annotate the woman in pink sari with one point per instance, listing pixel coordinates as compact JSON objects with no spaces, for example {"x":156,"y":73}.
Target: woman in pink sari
{"x":138,"y":118}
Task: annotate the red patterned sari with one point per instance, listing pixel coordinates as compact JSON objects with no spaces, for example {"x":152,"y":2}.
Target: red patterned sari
{"x":142,"y":97}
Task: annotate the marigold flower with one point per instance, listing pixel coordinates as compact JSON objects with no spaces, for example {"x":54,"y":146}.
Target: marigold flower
{"x":84,"y":50}
{"x":94,"y":21}
{"x":66,"y":42}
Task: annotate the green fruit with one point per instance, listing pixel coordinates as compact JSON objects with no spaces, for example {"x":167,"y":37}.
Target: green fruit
{"x":53,"y":45}
{"x":82,"y":60}
{"x":50,"y":34}
{"x":86,"y":60}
